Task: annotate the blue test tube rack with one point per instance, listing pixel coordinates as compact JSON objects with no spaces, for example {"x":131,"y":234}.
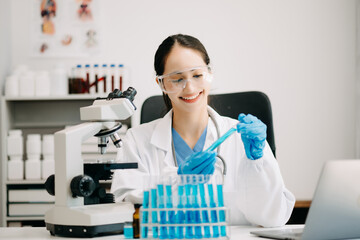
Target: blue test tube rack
{"x":192,"y":207}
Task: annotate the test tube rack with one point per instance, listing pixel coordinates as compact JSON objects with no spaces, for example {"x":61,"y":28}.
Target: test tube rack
{"x":186,"y":207}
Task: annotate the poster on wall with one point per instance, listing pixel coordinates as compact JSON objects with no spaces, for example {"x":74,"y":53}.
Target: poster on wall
{"x":65,"y":28}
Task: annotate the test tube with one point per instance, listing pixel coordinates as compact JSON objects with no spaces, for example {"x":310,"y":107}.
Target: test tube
{"x":214,"y":218}
{"x":169,"y":204}
{"x":180,"y":216}
{"x":154,"y":216}
{"x":88,"y":73}
{"x":188,"y":213}
{"x":195,"y":205}
{"x":222,"y":217}
{"x":163,"y":229}
{"x":204,"y":213}
{"x":145,"y":215}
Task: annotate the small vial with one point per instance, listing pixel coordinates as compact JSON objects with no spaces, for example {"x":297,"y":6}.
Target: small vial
{"x":128,"y":230}
{"x":136,"y":221}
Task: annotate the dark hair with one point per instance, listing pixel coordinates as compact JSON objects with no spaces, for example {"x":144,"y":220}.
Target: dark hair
{"x":165,"y":48}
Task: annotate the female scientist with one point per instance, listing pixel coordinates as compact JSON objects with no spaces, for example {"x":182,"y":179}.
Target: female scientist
{"x":254,"y":190}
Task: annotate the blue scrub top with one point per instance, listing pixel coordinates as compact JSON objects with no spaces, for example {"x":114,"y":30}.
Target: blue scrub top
{"x":182,"y":150}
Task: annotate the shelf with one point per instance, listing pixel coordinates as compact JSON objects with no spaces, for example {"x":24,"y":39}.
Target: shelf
{"x":56,"y":98}
{"x":24,"y":182}
{"x":30,"y":218}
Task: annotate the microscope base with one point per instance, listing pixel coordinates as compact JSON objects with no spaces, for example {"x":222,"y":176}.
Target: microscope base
{"x":84,"y":231}
{"x":89,"y":220}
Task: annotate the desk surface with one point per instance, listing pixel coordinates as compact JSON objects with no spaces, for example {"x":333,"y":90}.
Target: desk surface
{"x":40,"y":233}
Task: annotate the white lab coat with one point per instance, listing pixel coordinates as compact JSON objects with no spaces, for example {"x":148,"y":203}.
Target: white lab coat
{"x":254,"y":191}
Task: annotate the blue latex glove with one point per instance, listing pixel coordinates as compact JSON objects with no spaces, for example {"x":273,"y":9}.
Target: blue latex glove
{"x":253,"y":135}
{"x":199,"y":163}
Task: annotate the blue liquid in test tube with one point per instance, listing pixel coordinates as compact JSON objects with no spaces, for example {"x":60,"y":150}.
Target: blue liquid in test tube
{"x":214,"y":218}
{"x":154,"y":216}
{"x":163,"y":229}
{"x":180,"y":216}
{"x":196,"y":213}
{"x":145,"y":215}
{"x":188,"y":213}
{"x":204,"y":213}
{"x":171,"y":213}
{"x":221,"y":212}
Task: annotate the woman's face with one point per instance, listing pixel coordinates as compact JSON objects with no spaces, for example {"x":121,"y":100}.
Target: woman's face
{"x":194,"y":96}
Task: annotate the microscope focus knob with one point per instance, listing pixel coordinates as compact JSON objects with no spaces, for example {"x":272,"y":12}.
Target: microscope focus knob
{"x":82,"y":186}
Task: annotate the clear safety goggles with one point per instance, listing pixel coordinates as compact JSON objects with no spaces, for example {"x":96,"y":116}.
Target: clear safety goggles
{"x":176,"y":81}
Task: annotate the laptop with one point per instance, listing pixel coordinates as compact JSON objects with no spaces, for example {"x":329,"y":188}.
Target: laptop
{"x":335,"y":209}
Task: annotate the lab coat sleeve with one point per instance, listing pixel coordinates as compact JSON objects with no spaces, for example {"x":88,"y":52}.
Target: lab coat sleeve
{"x":266,"y":201}
{"x":128,"y":184}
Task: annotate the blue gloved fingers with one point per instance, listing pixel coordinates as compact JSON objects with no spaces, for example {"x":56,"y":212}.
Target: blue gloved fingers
{"x":247,"y":118}
{"x":207,"y":168}
{"x":251,"y":129}
{"x":198,"y":163}
{"x":257,"y":153}
{"x":246,"y":142}
{"x":203,"y":167}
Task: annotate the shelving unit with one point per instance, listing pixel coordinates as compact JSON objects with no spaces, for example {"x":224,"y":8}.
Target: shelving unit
{"x":42,"y":115}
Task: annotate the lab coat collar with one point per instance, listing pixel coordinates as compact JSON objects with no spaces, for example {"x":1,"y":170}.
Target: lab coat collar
{"x":161,"y":137}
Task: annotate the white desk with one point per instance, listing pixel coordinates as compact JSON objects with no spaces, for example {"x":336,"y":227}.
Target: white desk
{"x":40,"y":233}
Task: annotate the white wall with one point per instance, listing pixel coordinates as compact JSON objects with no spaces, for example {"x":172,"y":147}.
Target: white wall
{"x":301,"y":53}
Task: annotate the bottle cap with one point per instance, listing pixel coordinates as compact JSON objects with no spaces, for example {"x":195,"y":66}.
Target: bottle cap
{"x":87,"y":65}
{"x":121,"y":65}
{"x":78,"y":66}
{"x":104,"y":65}
{"x":112,"y":65}
{"x":96,"y":65}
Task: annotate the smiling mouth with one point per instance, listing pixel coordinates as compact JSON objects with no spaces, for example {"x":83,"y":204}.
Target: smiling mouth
{"x":192,"y":98}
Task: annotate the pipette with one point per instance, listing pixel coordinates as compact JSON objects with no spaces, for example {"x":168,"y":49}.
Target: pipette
{"x":222,"y":139}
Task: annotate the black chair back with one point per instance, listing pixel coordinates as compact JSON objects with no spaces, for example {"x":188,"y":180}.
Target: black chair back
{"x":228,"y":104}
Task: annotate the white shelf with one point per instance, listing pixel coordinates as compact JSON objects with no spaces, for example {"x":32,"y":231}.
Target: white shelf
{"x":24,"y":182}
{"x":29,"y":218}
{"x":56,"y":98}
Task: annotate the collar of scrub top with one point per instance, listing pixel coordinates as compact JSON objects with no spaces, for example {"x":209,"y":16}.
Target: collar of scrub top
{"x":182,"y":149}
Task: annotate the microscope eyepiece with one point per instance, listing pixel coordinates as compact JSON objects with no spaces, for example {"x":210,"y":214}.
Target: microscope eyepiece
{"x":129,"y":93}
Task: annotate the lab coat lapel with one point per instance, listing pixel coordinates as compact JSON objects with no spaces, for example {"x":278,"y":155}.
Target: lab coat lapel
{"x":162,"y":138}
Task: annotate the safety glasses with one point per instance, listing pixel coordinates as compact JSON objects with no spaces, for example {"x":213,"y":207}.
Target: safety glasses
{"x":176,"y":81}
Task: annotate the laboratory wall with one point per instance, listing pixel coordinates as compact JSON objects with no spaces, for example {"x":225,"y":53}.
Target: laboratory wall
{"x":301,"y":53}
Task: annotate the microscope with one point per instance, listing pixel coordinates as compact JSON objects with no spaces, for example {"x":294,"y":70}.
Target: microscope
{"x":82,"y":207}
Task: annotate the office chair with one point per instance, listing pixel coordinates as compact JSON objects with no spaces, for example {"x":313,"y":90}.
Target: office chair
{"x":228,"y":104}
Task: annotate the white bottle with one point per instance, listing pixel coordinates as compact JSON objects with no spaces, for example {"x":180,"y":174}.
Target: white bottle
{"x":42,"y":83}
{"x":12,"y":86}
{"x":48,"y":163}
{"x":59,"y":81}
{"x":33,"y":151}
{"x":27,"y":84}
{"x":15,"y":153}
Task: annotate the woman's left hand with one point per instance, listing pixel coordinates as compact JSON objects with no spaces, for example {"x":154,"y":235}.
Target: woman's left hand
{"x":253,"y":135}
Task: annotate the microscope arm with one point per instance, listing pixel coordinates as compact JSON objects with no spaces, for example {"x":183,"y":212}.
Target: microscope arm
{"x":68,"y":161}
